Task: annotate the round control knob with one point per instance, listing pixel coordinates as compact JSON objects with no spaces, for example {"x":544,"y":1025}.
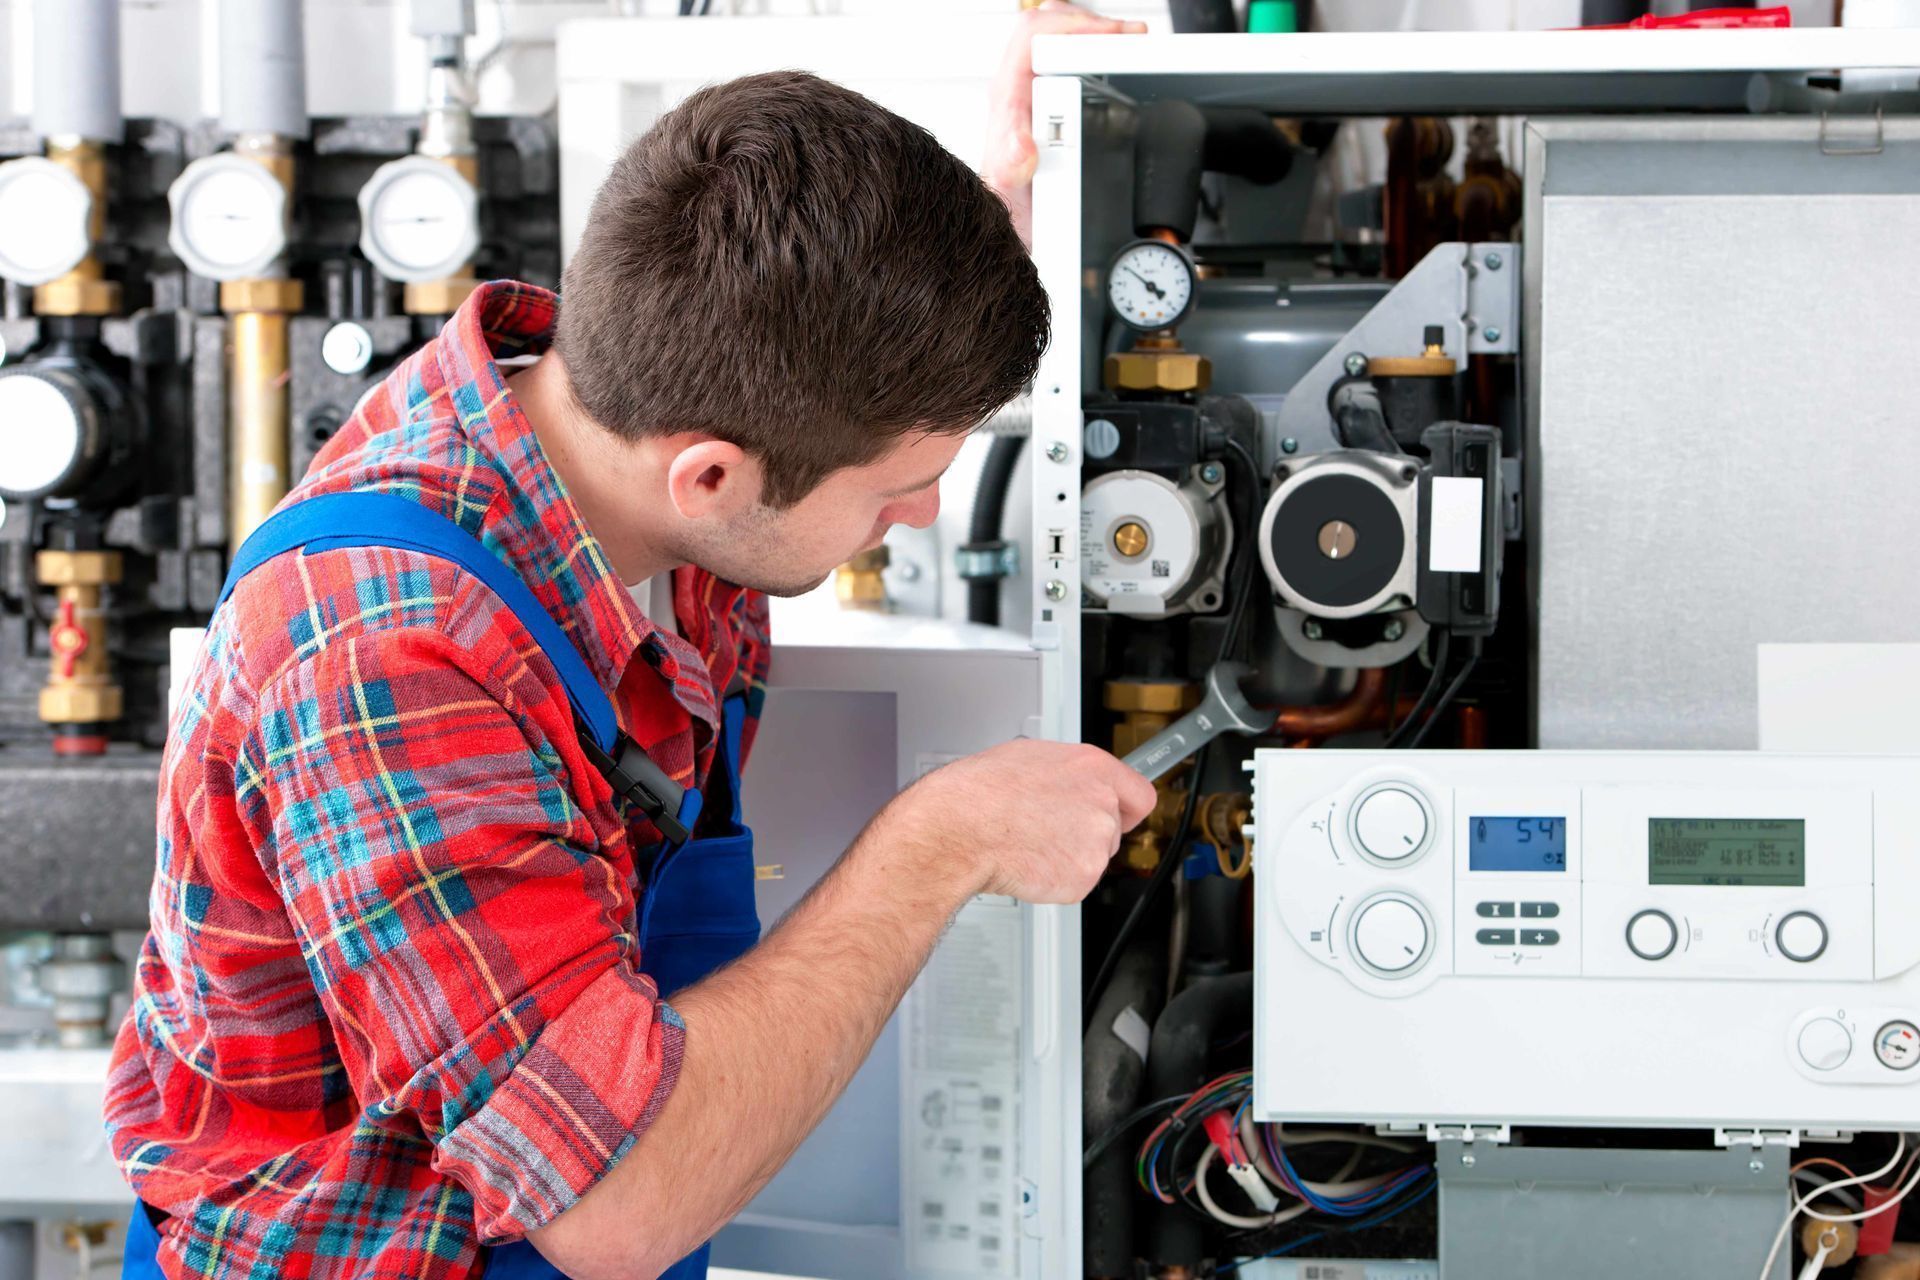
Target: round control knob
{"x":1390,"y":825}
{"x":1824,"y":1044}
{"x":1391,"y":936}
{"x":1652,"y":935}
{"x":1801,"y":936}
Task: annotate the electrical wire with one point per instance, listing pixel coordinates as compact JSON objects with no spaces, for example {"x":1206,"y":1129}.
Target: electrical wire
{"x":1170,"y":861}
{"x":1118,"y":1128}
{"x":1343,"y":1229}
{"x":1800,"y":1205}
{"x":1428,"y":694}
{"x":1446,"y":699}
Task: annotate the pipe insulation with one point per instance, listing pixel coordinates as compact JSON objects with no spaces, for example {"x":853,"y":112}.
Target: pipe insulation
{"x":263,"y":68}
{"x":76,"y":70}
{"x":1180,"y":1060}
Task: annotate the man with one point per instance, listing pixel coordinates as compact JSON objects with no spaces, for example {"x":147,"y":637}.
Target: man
{"x":404,"y":1009}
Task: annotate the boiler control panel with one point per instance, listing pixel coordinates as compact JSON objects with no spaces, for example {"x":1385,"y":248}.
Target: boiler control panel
{"x":1664,"y":939}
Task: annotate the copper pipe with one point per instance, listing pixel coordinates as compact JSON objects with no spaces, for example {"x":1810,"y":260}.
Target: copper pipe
{"x":1365,"y":707}
{"x":1473,"y":728}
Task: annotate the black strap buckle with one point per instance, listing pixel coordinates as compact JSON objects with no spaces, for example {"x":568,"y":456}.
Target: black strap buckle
{"x":634,"y":776}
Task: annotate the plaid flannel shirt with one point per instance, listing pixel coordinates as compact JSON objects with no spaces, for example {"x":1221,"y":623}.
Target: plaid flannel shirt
{"x":389,"y":1008}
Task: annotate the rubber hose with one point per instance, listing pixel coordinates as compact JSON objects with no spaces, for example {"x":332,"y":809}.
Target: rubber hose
{"x":984,"y":526}
{"x":1175,"y":141}
{"x":1179,"y":1061}
{"x":1112,"y":1073}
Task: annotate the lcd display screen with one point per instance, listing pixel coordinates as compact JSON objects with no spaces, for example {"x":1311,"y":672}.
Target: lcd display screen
{"x":1755,"y":851}
{"x":1537,"y":843}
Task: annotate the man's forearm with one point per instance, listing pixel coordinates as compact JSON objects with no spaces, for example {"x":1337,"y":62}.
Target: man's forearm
{"x":771,"y":1041}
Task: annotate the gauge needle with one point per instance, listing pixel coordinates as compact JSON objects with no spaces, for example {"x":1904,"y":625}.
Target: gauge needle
{"x":422,"y":218}
{"x":1152,"y":288}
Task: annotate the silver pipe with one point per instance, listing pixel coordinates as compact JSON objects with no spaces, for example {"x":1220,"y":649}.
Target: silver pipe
{"x":76,"y":70}
{"x":263,"y":68}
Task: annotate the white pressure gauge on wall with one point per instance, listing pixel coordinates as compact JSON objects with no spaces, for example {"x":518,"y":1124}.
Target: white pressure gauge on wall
{"x":229,"y":217}
{"x":45,"y":209}
{"x":1151,"y":284}
{"x":419,"y":220}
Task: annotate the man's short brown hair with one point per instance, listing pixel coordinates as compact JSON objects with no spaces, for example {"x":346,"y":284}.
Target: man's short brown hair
{"x":787,"y":265}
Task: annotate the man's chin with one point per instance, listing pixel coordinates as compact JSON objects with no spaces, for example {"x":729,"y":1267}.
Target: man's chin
{"x":788,"y":590}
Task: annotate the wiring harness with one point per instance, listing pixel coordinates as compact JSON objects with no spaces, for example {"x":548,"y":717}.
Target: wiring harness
{"x":1212,"y":1129}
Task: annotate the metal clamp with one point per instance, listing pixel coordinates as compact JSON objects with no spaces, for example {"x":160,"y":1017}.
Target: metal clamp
{"x":979,"y":561}
{"x":1830,"y":146}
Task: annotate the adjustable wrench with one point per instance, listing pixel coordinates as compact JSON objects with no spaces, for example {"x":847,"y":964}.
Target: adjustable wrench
{"x":1224,"y":709}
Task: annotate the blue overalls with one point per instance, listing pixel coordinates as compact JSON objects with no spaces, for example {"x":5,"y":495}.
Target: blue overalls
{"x":697,"y":912}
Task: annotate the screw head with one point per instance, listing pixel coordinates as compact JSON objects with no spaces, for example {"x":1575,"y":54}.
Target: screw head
{"x":1312,"y":630}
{"x":1056,"y":590}
{"x":1495,"y":262}
{"x":1393,"y":630}
{"x":1356,"y":364}
{"x":1492,"y":332}
{"x":908,"y":571}
{"x":1467,"y":1159}
{"x":1210,"y":473}
{"x":1056,"y":452}
{"x":1289,"y":445}
{"x":1757,"y":1166}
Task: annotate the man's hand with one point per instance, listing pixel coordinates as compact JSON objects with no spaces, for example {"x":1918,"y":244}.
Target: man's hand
{"x":1011,"y":154}
{"x":1037,"y":821}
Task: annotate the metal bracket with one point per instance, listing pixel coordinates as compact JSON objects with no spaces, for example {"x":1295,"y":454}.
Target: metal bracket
{"x":1498,"y":1134}
{"x":1833,"y":146}
{"x":1472,"y":291}
{"x":1756,"y":1138}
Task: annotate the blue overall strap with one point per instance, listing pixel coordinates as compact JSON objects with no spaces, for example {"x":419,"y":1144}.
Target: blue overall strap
{"x":328,"y":521}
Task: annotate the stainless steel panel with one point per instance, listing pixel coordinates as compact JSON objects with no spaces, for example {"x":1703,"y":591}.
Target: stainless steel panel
{"x":1725,"y":437}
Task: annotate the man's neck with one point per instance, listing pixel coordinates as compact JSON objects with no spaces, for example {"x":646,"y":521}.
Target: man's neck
{"x":602,"y":476}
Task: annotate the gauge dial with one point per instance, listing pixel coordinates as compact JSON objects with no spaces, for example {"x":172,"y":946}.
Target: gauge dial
{"x":44,"y":436}
{"x":1150,"y":285}
{"x":1898,"y":1044}
{"x":229,"y":217}
{"x":45,"y":209}
{"x":419,"y":220}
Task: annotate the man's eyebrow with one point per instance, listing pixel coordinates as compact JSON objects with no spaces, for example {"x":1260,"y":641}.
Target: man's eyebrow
{"x":915,"y":488}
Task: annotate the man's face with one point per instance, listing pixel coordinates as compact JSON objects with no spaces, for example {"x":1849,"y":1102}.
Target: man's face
{"x":790,"y":551}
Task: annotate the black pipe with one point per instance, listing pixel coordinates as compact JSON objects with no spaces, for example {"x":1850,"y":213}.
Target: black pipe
{"x":1179,"y":1061}
{"x":1206,"y":16}
{"x":1175,"y":141}
{"x":1112,"y":1072}
{"x":983,"y":529}
{"x":1213,"y":926}
{"x":1608,"y":13}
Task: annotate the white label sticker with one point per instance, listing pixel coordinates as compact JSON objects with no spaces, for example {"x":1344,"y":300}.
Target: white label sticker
{"x":1453,"y":543}
{"x":961,"y":1100}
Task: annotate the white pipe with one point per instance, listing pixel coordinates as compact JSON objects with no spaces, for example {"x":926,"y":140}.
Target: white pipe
{"x":263,"y":68}
{"x":76,"y":70}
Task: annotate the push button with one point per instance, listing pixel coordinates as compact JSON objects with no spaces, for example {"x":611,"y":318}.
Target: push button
{"x":1494,"y":937}
{"x":1539,"y":910}
{"x":1539,"y":937}
{"x":1496,"y":910}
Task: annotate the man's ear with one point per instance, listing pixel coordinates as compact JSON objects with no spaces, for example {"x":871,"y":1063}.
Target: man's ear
{"x":708,"y":478}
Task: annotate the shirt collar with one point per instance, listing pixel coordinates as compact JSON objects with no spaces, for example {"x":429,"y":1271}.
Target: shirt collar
{"x":537,"y":526}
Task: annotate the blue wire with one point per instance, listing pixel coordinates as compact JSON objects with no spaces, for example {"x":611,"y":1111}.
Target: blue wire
{"x":1348,"y":1206}
{"x":1301,"y":1243}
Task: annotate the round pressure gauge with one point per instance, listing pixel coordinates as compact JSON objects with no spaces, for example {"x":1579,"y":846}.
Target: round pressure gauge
{"x":419,"y":220}
{"x":45,"y":209}
{"x":229,"y":217}
{"x":1150,"y":285}
{"x":54,"y":431}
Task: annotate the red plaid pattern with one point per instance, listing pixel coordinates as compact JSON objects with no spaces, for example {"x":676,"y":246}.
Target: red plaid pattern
{"x":389,"y":1009}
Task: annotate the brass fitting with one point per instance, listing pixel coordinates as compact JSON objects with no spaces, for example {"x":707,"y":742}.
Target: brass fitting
{"x":80,"y":687}
{"x":85,"y":290}
{"x":1434,"y":362}
{"x":858,"y":583}
{"x":1221,"y":819}
{"x":1146,"y":707}
{"x":274,"y":296}
{"x":438,"y":297}
{"x":1158,"y":370}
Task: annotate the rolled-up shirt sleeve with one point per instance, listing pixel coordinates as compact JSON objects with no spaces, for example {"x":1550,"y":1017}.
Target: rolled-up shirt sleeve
{"x":468,"y":935}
